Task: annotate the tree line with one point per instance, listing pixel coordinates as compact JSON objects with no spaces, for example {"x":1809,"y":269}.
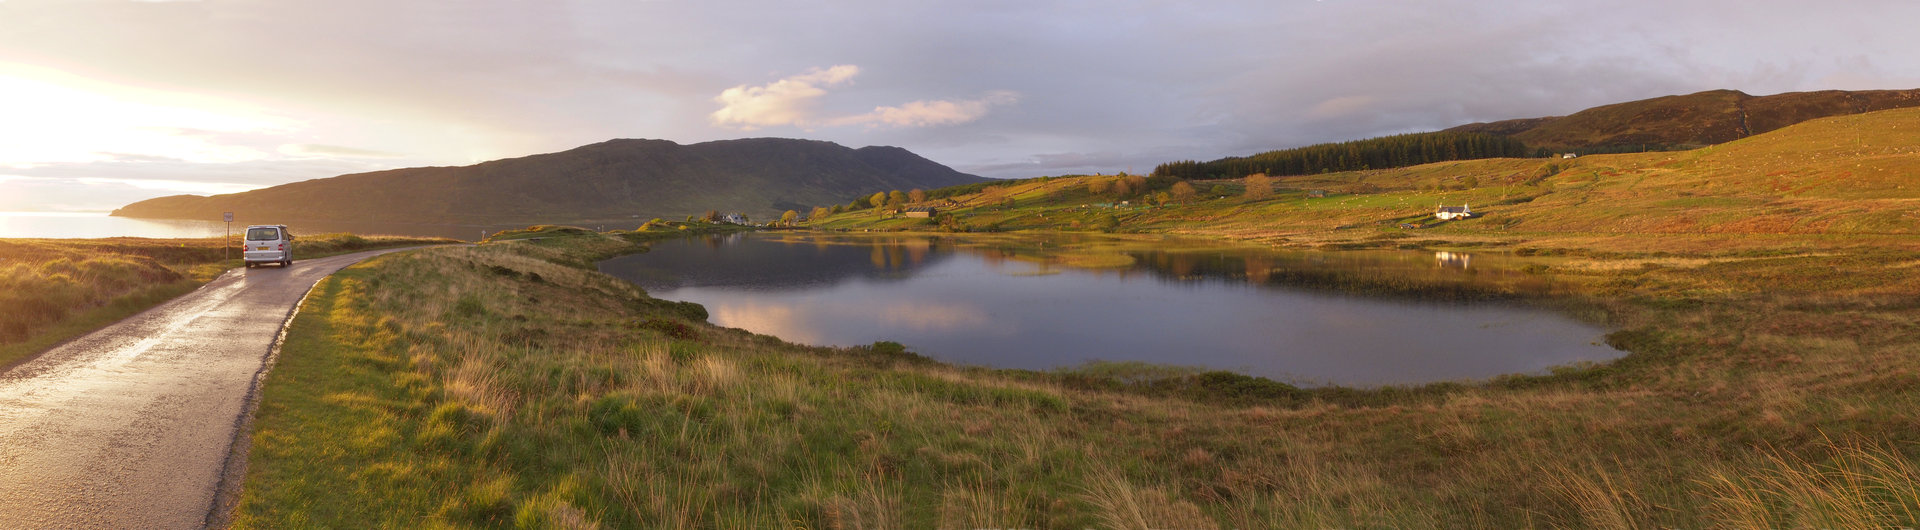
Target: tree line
{"x":1373,"y":153}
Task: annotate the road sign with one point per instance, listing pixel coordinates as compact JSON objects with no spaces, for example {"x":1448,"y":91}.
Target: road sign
{"x":228,"y":216}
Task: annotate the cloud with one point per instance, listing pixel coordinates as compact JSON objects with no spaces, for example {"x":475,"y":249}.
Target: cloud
{"x":794,"y":101}
{"x":930,"y":113}
{"x":789,"y":101}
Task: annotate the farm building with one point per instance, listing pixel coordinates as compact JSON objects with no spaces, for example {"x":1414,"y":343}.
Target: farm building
{"x":1453,"y":212}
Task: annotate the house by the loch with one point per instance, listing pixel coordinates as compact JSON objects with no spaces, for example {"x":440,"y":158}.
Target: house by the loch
{"x":1448,"y":213}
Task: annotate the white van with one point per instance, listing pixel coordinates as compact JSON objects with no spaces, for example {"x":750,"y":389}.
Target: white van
{"x":268,"y":244}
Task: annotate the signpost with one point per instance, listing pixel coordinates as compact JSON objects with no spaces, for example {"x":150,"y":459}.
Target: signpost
{"x":228,"y":242}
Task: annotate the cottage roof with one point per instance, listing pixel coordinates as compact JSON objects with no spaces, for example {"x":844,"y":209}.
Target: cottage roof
{"x":1453,"y":209}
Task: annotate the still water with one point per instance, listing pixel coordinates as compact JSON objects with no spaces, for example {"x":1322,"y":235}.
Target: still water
{"x":1020,"y":304}
{"x":62,"y":225}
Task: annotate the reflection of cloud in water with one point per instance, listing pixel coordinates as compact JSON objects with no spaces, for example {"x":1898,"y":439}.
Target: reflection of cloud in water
{"x":802,"y":321}
{"x":936,"y":317}
{"x":779,"y":320}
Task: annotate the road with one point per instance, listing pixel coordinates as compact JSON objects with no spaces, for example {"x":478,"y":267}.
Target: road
{"x":130,"y":426}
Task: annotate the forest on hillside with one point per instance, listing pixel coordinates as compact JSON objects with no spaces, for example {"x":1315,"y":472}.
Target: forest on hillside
{"x":1373,"y":153}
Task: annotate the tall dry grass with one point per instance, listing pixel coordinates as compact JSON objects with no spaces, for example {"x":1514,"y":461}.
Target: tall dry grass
{"x":34,"y":296}
{"x":1851,"y":484}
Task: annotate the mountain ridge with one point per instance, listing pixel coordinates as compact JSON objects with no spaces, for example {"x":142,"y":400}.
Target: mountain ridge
{"x":614,"y":179}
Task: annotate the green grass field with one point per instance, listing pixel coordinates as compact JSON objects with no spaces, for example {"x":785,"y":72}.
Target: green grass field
{"x":510,"y":385}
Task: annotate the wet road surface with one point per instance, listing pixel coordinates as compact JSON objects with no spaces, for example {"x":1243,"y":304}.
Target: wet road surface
{"x":129,"y":426}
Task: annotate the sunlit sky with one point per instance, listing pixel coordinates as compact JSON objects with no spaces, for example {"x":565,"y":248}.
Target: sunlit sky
{"x":104,"y":102}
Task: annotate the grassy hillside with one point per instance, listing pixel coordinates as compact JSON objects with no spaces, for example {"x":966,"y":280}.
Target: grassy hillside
{"x":631,"y":180}
{"x":497,"y":385}
{"x":1703,"y":118}
{"x":1848,"y":179}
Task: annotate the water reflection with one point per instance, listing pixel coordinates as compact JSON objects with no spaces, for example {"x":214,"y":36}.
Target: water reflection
{"x":1024,"y":304}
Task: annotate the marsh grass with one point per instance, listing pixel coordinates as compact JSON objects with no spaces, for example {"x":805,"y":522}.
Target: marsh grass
{"x":451,"y":388}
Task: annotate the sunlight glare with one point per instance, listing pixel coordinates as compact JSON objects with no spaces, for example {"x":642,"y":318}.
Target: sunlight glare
{"x":53,"y":117}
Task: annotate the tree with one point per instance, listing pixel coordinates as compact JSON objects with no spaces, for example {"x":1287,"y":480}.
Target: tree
{"x":789,"y":217}
{"x":896,"y":198}
{"x":1182,"y":191}
{"x":1136,"y":183}
{"x":711,"y":216}
{"x":1098,"y":185}
{"x":1219,"y":190}
{"x":819,"y":212}
{"x":1259,"y":186}
{"x":878,"y":199}
{"x":917,"y":195}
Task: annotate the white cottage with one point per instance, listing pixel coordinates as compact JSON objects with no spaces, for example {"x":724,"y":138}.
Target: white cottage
{"x":1448,"y":213}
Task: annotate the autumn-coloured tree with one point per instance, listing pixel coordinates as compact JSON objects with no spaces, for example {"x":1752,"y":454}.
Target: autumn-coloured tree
{"x":917,"y":195}
{"x":1182,"y":191}
{"x":1098,"y":185}
{"x":1259,"y":186}
{"x":789,"y":217}
{"x":1136,"y":183}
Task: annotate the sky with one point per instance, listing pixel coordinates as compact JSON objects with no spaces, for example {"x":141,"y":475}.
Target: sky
{"x":106,"y":102}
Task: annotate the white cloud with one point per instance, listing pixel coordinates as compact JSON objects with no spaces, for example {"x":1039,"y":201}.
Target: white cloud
{"x":794,"y":100}
{"x":788,"y":101}
{"x":930,"y":113}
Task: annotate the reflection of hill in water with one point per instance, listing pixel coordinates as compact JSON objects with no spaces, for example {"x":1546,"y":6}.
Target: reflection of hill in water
{"x":774,"y":262}
{"x":767,"y":263}
{"x":1413,"y":275}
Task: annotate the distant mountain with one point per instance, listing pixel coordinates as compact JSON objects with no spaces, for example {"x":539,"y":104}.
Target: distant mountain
{"x":617,"y":179}
{"x":1705,"y":118}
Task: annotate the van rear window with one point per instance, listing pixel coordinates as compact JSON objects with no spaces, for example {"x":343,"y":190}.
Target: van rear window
{"x":263,"y":234}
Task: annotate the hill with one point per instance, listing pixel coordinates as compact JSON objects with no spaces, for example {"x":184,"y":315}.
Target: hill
{"x":1705,"y":118}
{"x":617,"y":179}
{"x":1856,"y":176}
{"x":1384,"y":152}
